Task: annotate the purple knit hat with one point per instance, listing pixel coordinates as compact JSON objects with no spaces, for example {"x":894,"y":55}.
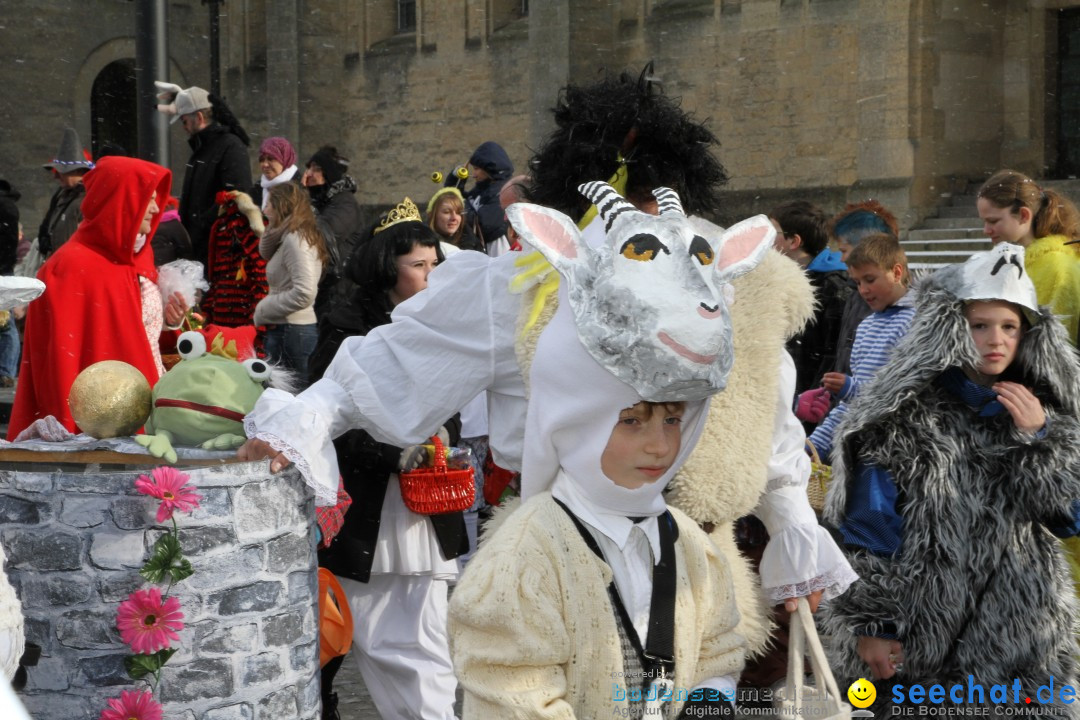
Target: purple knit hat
{"x":280,"y":149}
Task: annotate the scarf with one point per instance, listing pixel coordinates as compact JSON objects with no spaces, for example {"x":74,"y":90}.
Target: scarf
{"x":285,"y":176}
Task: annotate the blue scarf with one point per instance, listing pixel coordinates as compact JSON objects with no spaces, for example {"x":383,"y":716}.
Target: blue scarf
{"x":978,"y":397}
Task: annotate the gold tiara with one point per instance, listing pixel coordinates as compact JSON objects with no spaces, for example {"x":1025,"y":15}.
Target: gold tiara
{"x":404,"y":211}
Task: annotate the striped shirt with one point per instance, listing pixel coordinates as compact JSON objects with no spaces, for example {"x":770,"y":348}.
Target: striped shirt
{"x":878,"y":333}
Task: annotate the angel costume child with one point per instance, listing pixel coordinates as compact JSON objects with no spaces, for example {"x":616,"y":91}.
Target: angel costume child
{"x":568,"y":604}
{"x":953,"y":473}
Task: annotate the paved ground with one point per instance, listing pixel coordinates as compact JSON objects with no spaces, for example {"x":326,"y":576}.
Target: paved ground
{"x":355,"y":704}
{"x":353,"y":700}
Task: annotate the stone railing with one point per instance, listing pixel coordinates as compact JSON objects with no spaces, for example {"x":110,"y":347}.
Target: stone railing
{"x":76,"y":535}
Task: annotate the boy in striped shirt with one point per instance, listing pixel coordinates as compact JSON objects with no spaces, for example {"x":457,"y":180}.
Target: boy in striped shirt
{"x":879,"y":268}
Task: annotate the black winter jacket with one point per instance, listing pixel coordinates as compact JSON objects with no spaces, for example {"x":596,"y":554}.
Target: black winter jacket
{"x":219,"y":161}
{"x":855,"y":311}
{"x":338,"y":216}
{"x":483,"y":213}
{"x":170,"y":242}
{"x":366,"y":464}
{"x":814,"y":349}
{"x":61,"y":219}
{"x":9,"y":227}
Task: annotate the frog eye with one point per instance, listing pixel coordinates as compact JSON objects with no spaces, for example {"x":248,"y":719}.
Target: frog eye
{"x":191,"y":345}
{"x":257,"y":369}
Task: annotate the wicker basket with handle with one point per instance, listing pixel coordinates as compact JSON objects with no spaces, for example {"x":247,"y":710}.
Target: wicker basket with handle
{"x":437,"y":490}
{"x":820,"y":476}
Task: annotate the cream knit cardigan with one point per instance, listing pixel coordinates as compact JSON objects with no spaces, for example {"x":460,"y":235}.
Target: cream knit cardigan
{"x":533,"y":633}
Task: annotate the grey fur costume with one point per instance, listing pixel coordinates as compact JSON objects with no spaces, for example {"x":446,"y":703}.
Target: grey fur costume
{"x":976,"y":497}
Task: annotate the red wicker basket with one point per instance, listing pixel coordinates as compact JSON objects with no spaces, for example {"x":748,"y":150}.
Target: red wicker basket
{"x":437,"y":490}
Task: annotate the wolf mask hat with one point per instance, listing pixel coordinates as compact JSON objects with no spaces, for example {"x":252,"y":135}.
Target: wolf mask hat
{"x":997,"y":274}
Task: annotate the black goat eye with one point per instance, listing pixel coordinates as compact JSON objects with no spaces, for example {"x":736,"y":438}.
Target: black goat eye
{"x":700,"y":249}
{"x":643,"y":247}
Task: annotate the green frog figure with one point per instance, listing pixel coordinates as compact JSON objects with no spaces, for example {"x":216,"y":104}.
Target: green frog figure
{"x":202,"y":400}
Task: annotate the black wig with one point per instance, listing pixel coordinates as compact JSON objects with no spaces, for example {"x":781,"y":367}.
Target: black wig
{"x":373,"y":265}
{"x":662,"y":146}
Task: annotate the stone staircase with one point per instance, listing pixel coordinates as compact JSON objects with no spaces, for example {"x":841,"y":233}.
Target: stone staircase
{"x":949,"y":238}
{"x":957,"y":232}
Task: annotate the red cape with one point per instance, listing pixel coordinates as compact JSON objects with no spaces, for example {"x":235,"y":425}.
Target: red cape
{"x":91,"y":309}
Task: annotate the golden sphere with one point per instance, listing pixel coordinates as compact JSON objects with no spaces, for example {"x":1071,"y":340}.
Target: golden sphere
{"x":110,"y":399}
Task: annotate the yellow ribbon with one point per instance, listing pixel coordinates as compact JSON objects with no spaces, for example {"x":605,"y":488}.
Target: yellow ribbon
{"x":537,"y":266}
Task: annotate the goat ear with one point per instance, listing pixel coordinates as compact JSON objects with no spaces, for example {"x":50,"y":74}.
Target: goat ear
{"x":552,"y":233}
{"x":743,"y":246}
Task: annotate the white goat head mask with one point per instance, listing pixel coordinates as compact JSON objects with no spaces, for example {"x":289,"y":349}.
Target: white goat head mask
{"x":649,"y":303}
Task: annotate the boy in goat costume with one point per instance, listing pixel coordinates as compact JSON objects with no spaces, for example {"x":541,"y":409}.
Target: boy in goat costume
{"x":476,"y":325}
{"x":948,"y":494}
{"x":556,"y":602}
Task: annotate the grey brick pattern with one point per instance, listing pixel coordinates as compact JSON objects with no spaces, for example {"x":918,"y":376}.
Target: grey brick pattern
{"x":75,"y":539}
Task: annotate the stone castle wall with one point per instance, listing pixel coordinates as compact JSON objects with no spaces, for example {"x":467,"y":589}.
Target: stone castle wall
{"x":830,"y":100}
{"x":75,"y":539}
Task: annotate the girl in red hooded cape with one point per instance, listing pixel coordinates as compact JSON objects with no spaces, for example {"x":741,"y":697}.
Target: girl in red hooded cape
{"x":92,"y":307}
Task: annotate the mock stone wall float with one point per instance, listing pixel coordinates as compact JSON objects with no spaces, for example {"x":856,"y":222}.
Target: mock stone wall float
{"x":76,"y":536}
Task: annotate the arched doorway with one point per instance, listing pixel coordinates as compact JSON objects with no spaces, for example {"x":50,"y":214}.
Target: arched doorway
{"x":113,"y":109}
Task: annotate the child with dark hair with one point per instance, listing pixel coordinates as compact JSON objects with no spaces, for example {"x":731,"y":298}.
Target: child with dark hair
{"x":471,"y":330}
{"x":171,"y":241}
{"x":879,"y":268}
{"x":802,"y":234}
{"x":952,"y":474}
{"x":394,"y":565}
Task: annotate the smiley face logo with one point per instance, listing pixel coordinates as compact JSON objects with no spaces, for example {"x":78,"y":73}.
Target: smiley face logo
{"x":862,"y":693}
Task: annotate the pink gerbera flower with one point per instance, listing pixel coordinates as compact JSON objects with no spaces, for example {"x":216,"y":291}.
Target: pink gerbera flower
{"x":167,"y":484}
{"x":132,"y":705}
{"x":146,"y":623}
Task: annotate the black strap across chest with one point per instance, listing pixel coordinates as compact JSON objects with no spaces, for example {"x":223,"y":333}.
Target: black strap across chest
{"x":658,"y":653}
